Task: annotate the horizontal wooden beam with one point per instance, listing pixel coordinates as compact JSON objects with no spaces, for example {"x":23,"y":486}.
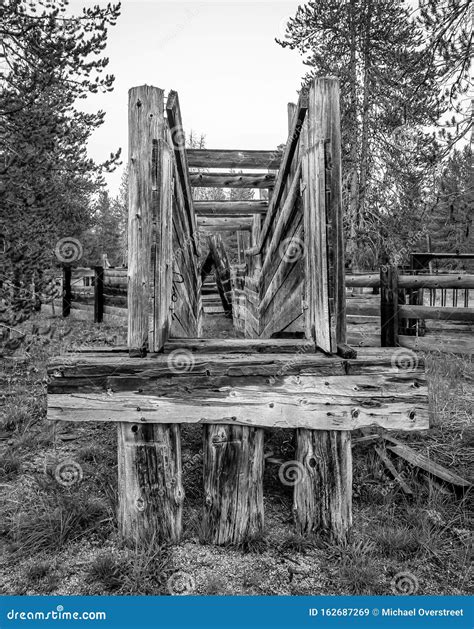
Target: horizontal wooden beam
{"x":370,"y":280}
{"x":225,"y":224}
{"x":453,"y":343}
{"x":232,"y":180}
{"x":216,"y":158}
{"x":243,"y":346}
{"x":322,"y":403}
{"x":444,"y":256}
{"x":436,"y":312}
{"x":230,"y":208}
{"x":366,"y":309}
{"x":454,"y":280}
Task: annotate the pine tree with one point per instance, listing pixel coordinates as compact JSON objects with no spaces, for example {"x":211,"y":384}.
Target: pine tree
{"x":48,"y":62}
{"x":376,"y":49}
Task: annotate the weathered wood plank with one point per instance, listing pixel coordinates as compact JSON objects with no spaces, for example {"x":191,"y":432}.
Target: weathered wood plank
{"x":173,"y":112}
{"x":225,"y":223}
{"x":232,"y":180}
{"x":217,"y":158}
{"x":428,"y":465}
{"x":393,"y":471}
{"x":323,"y":223}
{"x":404,"y":409}
{"x":242,"y":346}
{"x":286,"y":162}
{"x":233,"y":484}
{"x":230,"y":208}
{"x":436,"y":312}
{"x":150,"y":488}
{"x":414,"y":281}
{"x":322,"y":498}
{"x":146,"y":129}
{"x":290,"y":207}
{"x":439,"y":342}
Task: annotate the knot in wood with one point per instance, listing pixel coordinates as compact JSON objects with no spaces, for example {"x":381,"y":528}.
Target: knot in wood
{"x":140,"y":504}
{"x":355,"y":413}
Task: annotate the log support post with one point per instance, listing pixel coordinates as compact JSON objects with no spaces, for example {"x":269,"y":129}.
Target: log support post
{"x":150,"y":491}
{"x":150,"y":484}
{"x":323,"y":498}
{"x":233,"y":483}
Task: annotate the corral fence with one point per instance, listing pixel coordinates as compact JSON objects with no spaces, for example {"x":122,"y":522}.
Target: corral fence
{"x":91,"y":294}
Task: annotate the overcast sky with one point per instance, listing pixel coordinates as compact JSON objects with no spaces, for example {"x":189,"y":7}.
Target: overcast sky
{"x":234,"y":81}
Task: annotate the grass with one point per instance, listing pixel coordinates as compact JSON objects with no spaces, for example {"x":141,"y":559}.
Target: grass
{"x":59,"y":539}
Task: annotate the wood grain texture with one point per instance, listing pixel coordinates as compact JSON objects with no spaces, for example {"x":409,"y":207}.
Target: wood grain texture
{"x":325,"y":291}
{"x":232,"y":180}
{"x":231,"y":223}
{"x":216,"y":158}
{"x":146,"y":128}
{"x":230,"y":208}
{"x":285,"y":167}
{"x":333,"y":408}
{"x":150,"y":489}
{"x":233,"y":484}
{"x":177,"y":135}
{"x":322,"y":497}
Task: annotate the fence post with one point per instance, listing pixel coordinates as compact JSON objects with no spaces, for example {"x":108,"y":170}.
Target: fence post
{"x":150,"y":490}
{"x":388,"y":306}
{"x":415,"y":298}
{"x":323,"y":457}
{"x":98,"y":294}
{"x":67,"y":292}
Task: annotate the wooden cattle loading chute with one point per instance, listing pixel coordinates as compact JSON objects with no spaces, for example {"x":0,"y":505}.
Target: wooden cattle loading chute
{"x":292,"y":281}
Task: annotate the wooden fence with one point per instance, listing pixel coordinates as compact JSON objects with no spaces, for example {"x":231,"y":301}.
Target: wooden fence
{"x":91,"y":294}
{"x":422,"y":311}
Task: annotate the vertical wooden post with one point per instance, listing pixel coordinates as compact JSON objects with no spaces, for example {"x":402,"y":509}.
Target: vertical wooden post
{"x":98,"y":294}
{"x":146,"y":129}
{"x":415,"y":298}
{"x":323,"y":497}
{"x":233,"y":483}
{"x":150,"y":492}
{"x":150,"y":481}
{"x":322,"y":208}
{"x":67,"y":292}
{"x":389,"y":306}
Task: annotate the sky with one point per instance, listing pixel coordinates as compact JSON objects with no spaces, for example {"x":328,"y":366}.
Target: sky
{"x":234,"y":81}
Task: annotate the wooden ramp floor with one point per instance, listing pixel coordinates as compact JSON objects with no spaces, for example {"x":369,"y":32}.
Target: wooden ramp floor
{"x":263,"y":383}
